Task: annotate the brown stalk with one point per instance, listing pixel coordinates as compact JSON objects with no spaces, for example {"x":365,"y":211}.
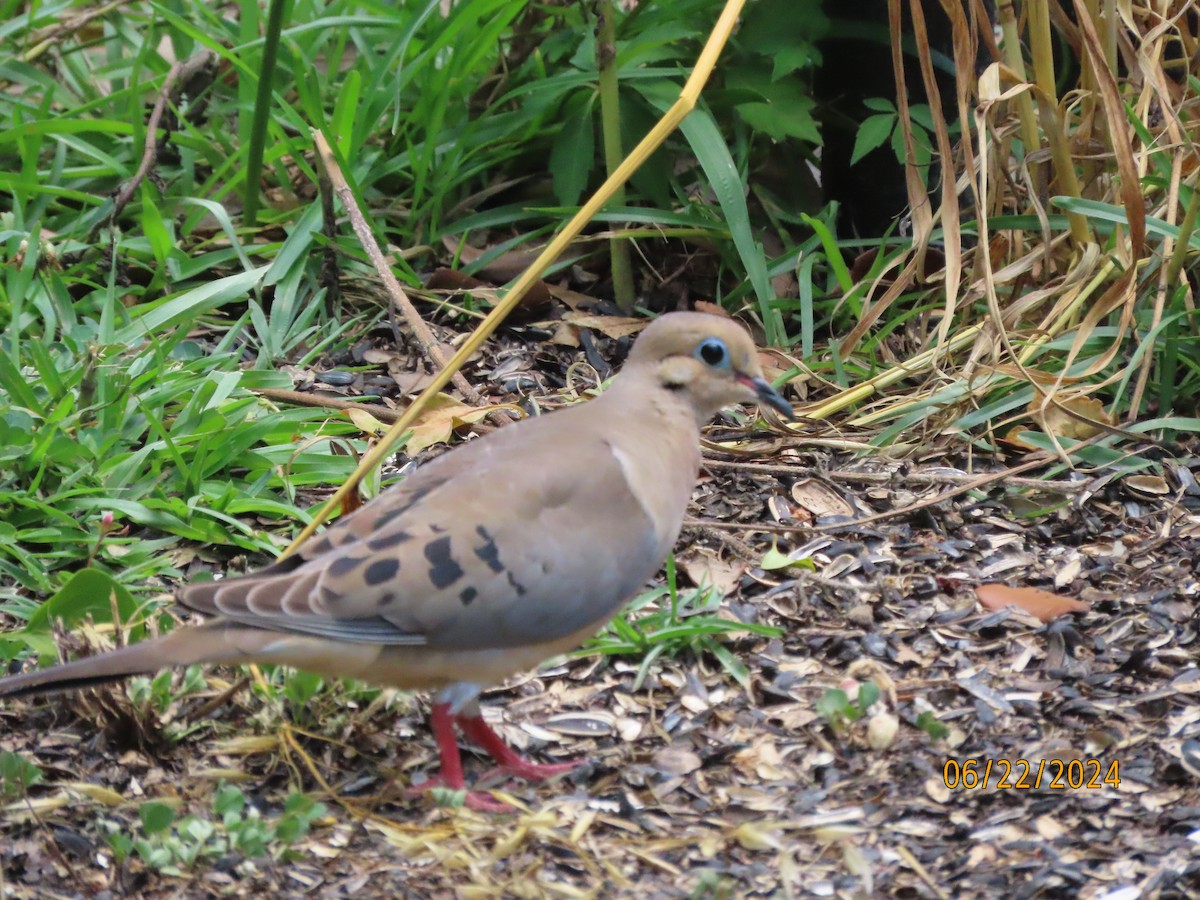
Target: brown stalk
{"x":399,"y":299}
{"x":180,"y":70}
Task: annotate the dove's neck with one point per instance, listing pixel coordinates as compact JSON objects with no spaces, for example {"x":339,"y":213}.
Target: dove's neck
{"x":661,"y":407}
{"x":654,"y":434}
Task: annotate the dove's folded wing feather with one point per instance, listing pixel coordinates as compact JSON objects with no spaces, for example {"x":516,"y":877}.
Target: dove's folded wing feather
{"x":485,"y":547}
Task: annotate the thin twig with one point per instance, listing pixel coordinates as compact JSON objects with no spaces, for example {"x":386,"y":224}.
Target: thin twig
{"x":383,"y":413}
{"x":915,"y":478}
{"x":966,"y":487}
{"x":152,"y":144}
{"x":204,"y":710}
{"x":739,"y":548}
{"x":70,"y":26}
{"x":425,"y":339}
{"x":300,"y":398}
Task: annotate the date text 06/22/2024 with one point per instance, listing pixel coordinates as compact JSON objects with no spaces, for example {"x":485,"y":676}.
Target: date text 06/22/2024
{"x":1026,"y":775}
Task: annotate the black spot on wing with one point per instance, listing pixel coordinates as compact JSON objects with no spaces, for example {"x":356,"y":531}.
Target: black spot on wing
{"x":388,"y":541}
{"x":444,"y":569}
{"x":381,"y":570}
{"x":516,"y":585}
{"x":344,"y":565}
{"x":467,"y":595}
{"x":404,"y":504}
{"x":385,"y":518}
{"x":385,"y":598}
{"x":488,"y":552}
{"x":283,"y":566}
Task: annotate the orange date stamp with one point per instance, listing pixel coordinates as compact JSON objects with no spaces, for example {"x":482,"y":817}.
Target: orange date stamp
{"x":977,"y":774}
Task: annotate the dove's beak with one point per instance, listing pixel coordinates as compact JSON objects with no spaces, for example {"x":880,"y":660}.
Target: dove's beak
{"x":768,"y":395}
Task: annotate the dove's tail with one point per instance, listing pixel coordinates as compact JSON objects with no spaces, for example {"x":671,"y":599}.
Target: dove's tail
{"x":207,"y":643}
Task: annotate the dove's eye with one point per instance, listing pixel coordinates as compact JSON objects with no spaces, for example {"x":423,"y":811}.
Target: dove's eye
{"x":713,"y":352}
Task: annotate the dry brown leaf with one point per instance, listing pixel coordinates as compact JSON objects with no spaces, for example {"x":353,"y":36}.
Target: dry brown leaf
{"x":439,"y":419}
{"x":1042,"y":604}
{"x":705,"y":568}
{"x":1016,"y":438}
{"x":713,"y":309}
{"x":753,"y":836}
{"x":365,"y":422}
{"x":410,"y":383}
{"x":565,"y":335}
{"x":501,"y":270}
{"x":774,"y":363}
{"x":612,"y":326}
{"x":378,"y":356}
{"x":573,"y":299}
{"x":1055,"y":418}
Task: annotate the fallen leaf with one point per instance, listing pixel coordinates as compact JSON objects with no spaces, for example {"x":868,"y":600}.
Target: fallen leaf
{"x":565,"y":335}
{"x":452,"y":281}
{"x":503,"y":268}
{"x":439,"y":419}
{"x":1149,"y":485}
{"x":1016,"y":437}
{"x":612,"y":326}
{"x":706,"y":569}
{"x":753,"y":836}
{"x":365,"y":422}
{"x":713,"y":309}
{"x":1056,"y":418}
{"x":1042,"y":604}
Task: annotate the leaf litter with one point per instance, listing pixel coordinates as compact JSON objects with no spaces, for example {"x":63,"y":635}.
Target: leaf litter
{"x":695,"y":785}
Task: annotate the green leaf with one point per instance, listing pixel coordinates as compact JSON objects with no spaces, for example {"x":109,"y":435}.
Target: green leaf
{"x":706,"y":142}
{"x":87,"y":593}
{"x":155,"y":817}
{"x":868,"y":693}
{"x":152,"y":318}
{"x":785,"y":32}
{"x":833,"y":705}
{"x":928,"y":723}
{"x":573,"y":155}
{"x":872,"y":133}
{"x":229,"y":799}
{"x":17,"y":774}
{"x":775,"y":559}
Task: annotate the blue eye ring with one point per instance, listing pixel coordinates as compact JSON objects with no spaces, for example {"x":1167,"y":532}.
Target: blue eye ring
{"x":713,"y":352}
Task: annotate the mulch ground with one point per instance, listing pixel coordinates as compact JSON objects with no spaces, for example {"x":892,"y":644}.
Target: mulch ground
{"x":696,"y":786}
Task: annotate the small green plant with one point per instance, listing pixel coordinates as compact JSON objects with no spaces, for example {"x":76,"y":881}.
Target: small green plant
{"x":17,"y":775}
{"x":929,"y":724}
{"x":839,"y":711}
{"x":876,"y":129}
{"x":159,"y":691}
{"x":300,"y":687}
{"x":666,"y":621}
{"x":172,"y":846}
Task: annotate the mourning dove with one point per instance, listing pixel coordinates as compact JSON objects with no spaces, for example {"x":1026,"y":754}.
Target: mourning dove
{"x":506,"y":551}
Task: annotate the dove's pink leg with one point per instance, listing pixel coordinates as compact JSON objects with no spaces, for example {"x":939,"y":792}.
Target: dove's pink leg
{"x":509,"y":761}
{"x":451,"y":775}
{"x":477,"y":730}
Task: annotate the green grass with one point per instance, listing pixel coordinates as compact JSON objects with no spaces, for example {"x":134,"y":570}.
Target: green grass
{"x":135,"y":338}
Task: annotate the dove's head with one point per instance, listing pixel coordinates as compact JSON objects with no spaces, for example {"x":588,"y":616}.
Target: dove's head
{"x":710,"y":360}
